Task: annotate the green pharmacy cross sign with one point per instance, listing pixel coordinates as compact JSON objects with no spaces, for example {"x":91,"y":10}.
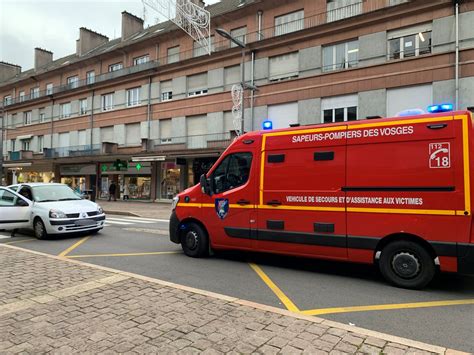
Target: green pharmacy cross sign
{"x":138,"y":166}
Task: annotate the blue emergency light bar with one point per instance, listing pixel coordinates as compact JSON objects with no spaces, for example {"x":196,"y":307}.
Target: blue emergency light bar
{"x":440,"y":108}
{"x":267,"y":125}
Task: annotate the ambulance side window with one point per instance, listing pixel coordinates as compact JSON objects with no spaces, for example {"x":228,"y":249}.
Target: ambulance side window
{"x":232,"y":172}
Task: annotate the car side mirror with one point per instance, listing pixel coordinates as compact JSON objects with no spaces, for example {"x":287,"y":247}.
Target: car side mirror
{"x":205,"y":188}
{"x":21,"y":203}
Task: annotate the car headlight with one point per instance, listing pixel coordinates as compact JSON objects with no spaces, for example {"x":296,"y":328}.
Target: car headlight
{"x":175,"y":202}
{"x":99,"y":209}
{"x":57,"y":214}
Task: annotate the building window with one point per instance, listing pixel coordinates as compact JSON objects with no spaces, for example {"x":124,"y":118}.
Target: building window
{"x":107,"y":102}
{"x":339,"y":108}
{"x":73,"y":82}
{"x":173,"y":54}
{"x":341,"y":56}
{"x":133,"y":97}
{"x":41,"y":115}
{"x":22,"y":96}
{"x":197,"y":84}
{"x":141,"y":60}
{"x":82,"y":106}
{"x":40,"y":144}
{"x":165,"y":131}
{"x":65,"y":110}
{"x":13,"y":145}
{"x":7,"y":100}
{"x":27,"y":118}
{"x":49,"y":89}
{"x":284,"y":67}
{"x":25,"y":144}
{"x":90,"y":77}
{"x":410,"y":44}
{"x":166,"y":90}
{"x":291,"y":22}
{"x":115,"y":67}
{"x":240,"y":34}
{"x":199,"y":50}
{"x":34,"y":93}
{"x":341,"y":9}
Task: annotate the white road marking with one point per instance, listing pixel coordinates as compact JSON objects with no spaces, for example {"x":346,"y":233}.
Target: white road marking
{"x":140,"y":219}
{"x":117,"y":222}
{"x":128,"y":220}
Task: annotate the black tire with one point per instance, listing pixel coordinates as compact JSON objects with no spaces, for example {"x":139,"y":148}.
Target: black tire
{"x":39,"y":229}
{"x":194,"y":241}
{"x":407,"y":264}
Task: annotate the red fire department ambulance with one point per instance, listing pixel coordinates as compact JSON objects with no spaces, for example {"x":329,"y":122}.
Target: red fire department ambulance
{"x":393,"y":191}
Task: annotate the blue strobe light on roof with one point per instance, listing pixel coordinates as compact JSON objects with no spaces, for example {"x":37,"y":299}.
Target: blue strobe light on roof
{"x":267,"y":125}
{"x":440,"y":108}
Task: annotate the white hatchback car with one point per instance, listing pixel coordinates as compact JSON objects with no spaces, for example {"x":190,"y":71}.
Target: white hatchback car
{"x":48,"y":209}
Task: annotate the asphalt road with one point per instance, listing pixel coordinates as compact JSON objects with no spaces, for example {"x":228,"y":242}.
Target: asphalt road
{"x":348,"y":293}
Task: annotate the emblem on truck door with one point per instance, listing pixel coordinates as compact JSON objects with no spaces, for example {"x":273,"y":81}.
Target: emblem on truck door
{"x":440,"y":155}
{"x":222,"y":207}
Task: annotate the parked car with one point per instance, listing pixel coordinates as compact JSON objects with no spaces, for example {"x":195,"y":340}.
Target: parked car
{"x":48,"y":209}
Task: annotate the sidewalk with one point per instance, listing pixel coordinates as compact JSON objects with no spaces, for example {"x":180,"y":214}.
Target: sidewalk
{"x":159,"y":210}
{"x":49,"y":304}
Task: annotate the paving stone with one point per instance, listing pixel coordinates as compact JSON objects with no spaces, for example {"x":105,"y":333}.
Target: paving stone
{"x":332,"y":339}
{"x":290,"y":350}
{"x":346,"y":347}
{"x":370,"y":349}
{"x":375,"y":342}
{"x":390,"y":350}
{"x":268,"y":350}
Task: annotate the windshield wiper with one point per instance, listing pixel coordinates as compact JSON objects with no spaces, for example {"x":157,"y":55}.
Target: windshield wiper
{"x":47,"y":201}
{"x":69,"y":199}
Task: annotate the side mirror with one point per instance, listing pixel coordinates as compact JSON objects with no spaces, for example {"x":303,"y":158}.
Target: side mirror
{"x":205,"y":185}
{"x":21,"y":203}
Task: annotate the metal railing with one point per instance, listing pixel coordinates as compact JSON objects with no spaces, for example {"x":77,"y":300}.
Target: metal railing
{"x":73,"y":151}
{"x":13,"y":156}
{"x":204,"y":141}
{"x":82,"y":83}
{"x":332,"y":14}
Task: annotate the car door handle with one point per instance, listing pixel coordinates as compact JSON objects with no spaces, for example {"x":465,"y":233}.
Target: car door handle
{"x":274,"y":203}
{"x":243,"y":202}
{"x":437,"y":126}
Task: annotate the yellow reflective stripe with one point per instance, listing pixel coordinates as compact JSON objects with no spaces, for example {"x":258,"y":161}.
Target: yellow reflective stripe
{"x":395,"y":123}
{"x":262,"y":169}
{"x":402,"y":211}
{"x":467,"y":186}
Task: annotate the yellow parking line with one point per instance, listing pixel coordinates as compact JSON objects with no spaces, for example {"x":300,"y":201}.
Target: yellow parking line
{"x":384,"y":307}
{"x":128,"y":254}
{"x":72,"y":247}
{"x":20,"y":241}
{"x":276,"y":290}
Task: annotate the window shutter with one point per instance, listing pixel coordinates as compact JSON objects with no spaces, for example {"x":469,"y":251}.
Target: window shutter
{"x":107,"y":134}
{"x":82,"y":137}
{"x":197,"y":82}
{"x":132,"y":134}
{"x":284,"y":66}
{"x":232,"y":75}
{"x":410,"y":97}
{"x":407,"y":31}
{"x":166,"y":86}
{"x":283,"y":115}
{"x":165,"y":128}
{"x":173,"y":54}
{"x":228,"y":121}
{"x":196,"y":125}
{"x":64,"y":139}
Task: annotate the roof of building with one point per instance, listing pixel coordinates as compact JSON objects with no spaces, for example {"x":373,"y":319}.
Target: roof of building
{"x":217,"y":9}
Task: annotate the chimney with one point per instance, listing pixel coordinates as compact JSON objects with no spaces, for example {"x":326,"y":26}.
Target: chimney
{"x":42,"y":57}
{"x":89,"y":40}
{"x":131,"y":25}
{"x":8,"y":71}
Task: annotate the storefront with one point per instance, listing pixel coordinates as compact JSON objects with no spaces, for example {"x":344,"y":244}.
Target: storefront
{"x":80,"y":177}
{"x":133,"y":180}
{"x":27,"y":172}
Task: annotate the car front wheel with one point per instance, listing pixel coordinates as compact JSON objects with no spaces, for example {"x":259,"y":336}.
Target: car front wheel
{"x":39,"y":229}
{"x":194,"y":241}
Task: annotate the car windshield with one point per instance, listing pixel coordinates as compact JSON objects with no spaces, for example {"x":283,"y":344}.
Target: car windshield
{"x":49,"y":193}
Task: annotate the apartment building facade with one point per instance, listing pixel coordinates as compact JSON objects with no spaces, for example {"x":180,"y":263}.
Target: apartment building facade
{"x":151,"y":110}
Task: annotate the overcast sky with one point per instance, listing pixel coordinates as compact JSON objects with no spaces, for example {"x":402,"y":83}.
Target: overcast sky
{"x":54,"y":25}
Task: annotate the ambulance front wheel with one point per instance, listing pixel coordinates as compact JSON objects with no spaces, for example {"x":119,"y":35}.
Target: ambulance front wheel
{"x":194,"y":241}
{"x":407,"y":264}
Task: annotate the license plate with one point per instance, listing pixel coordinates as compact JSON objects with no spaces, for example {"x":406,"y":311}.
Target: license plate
{"x":85,"y":222}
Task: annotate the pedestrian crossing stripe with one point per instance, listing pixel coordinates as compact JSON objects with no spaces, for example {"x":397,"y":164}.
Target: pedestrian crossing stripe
{"x":120,"y":221}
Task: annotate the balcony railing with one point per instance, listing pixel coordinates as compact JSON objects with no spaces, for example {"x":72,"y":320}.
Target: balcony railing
{"x":205,"y":141}
{"x":334,"y":12}
{"x":13,"y":156}
{"x":82,"y":83}
{"x":73,"y":151}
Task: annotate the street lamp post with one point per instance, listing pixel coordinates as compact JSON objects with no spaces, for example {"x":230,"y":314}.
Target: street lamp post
{"x":242,"y":45}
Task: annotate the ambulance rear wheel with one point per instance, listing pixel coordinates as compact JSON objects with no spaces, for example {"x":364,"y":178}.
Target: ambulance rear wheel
{"x":407,"y":264}
{"x":194,"y":241}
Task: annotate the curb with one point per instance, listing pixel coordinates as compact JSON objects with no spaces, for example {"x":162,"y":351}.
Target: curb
{"x":261,"y":307}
